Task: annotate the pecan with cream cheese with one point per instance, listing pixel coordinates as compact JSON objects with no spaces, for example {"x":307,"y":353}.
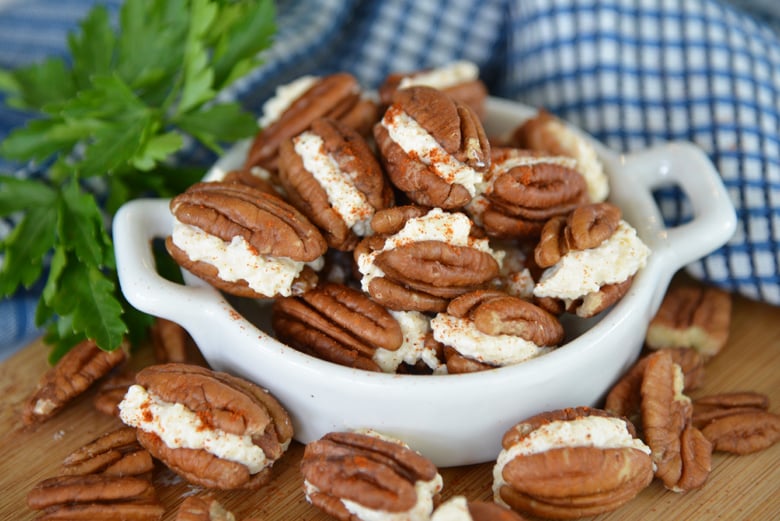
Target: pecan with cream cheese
{"x":459,"y":508}
{"x":336,"y":323}
{"x":680,"y":451}
{"x":331,"y":175}
{"x":590,"y":257}
{"x":336,"y":96}
{"x":73,"y":374}
{"x":571,"y":463}
{"x":737,"y":422}
{"x":523,"y":190}
{"x":695,"y":317}
{"x":548,"y":133}
{"x":423,"y":258}
{"x":215,"y":430}
{"x":244,"y":241}
{"x":459,"y":80}
{"x":491,"y":328}
{"x":434,"y":149}
{"x":356,"y":476}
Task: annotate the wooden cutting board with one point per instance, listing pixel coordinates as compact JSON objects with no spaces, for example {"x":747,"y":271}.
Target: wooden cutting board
{"x":739,"y":487}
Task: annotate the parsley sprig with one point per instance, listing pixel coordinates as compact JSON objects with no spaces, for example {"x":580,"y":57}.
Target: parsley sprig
{"x":128,"y":98}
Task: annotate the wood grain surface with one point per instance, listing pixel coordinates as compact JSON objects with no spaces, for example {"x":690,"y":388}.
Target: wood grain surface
{"x":739,"y":487}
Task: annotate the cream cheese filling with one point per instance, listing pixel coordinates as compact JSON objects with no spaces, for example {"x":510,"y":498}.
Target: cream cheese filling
{"x":580,"y":272}
{"x":497,"y":350}
{"x":454,"y":73}
{"x":418,"y":142}
{"x":349,"y":202}
{"x":238,"y":260}
{"x":179,"y":427}
{"x":588,"y":163}
{"x":283,"y":98}
{"x":414,"y":327}
{"x":454,"y":509}
{"x":589,"y":431}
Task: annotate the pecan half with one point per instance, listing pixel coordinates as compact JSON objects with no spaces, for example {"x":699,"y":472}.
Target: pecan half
{"x":116,"y":453}
{"x":682,"y":455}
{"x":546,"y":132}
{"x":73,"y":374}
{"x":196,"y":508}
{"x":211,"y":404}
{"x":336,"y":323}
{"x":272,"y":231}
{"x":696,"y":317}
{"x":570,"y":477}
{"x":337,"y":96}
{"x":95,"y":497}
{"x":526,"y":189}
{"x":172,"y":343}
{"x":112,"y":390}
{"x":737,"y":422}
{"x":343,"y":471}
{"x":331,"y":175}
{"x":447,"y":168}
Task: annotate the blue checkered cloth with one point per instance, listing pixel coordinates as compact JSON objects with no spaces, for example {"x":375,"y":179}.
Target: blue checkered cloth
{"x":633,"y":73}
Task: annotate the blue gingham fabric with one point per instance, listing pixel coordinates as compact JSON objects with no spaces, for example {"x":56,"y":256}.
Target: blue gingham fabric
{"x":633,"y":73}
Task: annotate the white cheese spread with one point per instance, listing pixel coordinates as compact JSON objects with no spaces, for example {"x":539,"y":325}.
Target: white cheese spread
{"x":414,"y":327}
{"x":589,"y":431}
{"x":580,"y":272}
{"x":498,"y":350}
{"x":343,"y":196}
{"x":455,"y":509}
{"x":455,"y":73}
{"x":238,"y":260}
{"x":179,"y":427}
{"x":419,"y":143}
{"x":588,"y":163}
{"x":436,"y":225}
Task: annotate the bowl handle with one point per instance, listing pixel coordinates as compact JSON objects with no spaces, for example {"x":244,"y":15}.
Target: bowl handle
{"x":135,"y":225}
{"x":686,"y":165}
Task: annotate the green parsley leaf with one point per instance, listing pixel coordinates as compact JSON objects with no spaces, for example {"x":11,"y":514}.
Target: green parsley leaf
{"x":93,"y":48}
{"x":19,"y":194}
{"x":218,"y":124}
{"x":81,"y":227}
{"x":25,"y":247}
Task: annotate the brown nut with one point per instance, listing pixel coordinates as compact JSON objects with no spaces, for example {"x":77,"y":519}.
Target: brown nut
{"x":115,"y":453}
{"x":405,"y":273}
{"x":447,"y":169}
{"x":275,"y":239}
{"x":681,"y":453}
{"x":547,"y":133}
{"x":73,"y":374}
{"x":336,"y":96}
{"x":212,"y":406}
{"x":695,"y":317}
{"x":524,"y":190}
{"x":95,"y":497}
{"x":737,"y":422}
{"x":336,"y":323}
{"x":196,"y":508}
{"x":348,"y":472}
{"x":459,"y":80}
{"x":331,"y":175}
{"x":572,"y":476}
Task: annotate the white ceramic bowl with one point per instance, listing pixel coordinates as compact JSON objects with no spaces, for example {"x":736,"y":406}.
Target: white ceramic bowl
{"x":452,"y":419}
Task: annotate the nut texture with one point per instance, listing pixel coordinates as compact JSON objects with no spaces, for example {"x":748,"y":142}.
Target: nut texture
{"x":346,"y":472}
{"x":737,"y":422}
{"x":73,"y":374}
{"x":573,"y":479}
{"x":115,"y":453}
{"x":462,"y":146}
{"x":222,"y":403}
{"x":336,"y":323}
